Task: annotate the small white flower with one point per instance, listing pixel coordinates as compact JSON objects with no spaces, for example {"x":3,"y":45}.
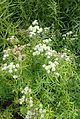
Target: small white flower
{"x":48,"y":57}
{"x":21,"y":100}
{"x":34,"y":53}
{"x":44,"y":65}
{"x":31,"y":103}
{"x":12,"y":37}
{"x":62,"y":55}
{"x":42,"y":115}
{"x":15,"y":69}
{"x":28,"y":44}
{"x":64,"y":35}
{"x":17,"y":65}
{"x":49,"y":39}
{"x":10,"y":71}
{"x":46,"y":29}
{"x":26,"y":89}
{"x":56,"y":59}
{"x":13,"y":66}
{"x":4,"y":68}
{"x":32,"y":34}
{"x":35,"y":22}
{"x":47,"y":67}
{"x":29,"y":112}
{"x":29,"y":90}
{"x":65,"y":49}
{"x":57,"y":74}
{"x":69,"y":33}
{"x":48,"y":71}
{"x":8,"y":39}
{"x":40,"y":30}
{"x":41,"y":49}
{"x":27,"y":117}
{"x":44,"y":110}
{"x":15,"y":76}
{"x":63,"y":38}
{"x":30,"y":28}
{"x":67,"y":59}
{"x":56,"y":63}
{"x":68,"y":50}
{"x":6,"y":55}
{"x":53,"y":69}
{"x":36,"y":27}
{"x":49,"y":62}
{"x":4,"y":58}
{"x":49,"y":53}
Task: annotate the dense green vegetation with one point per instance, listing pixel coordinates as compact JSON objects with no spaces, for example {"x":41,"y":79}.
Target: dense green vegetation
{"x":39,"y":59}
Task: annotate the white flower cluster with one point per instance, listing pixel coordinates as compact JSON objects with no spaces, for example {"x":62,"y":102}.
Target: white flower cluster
{"x":43,"y":48}
{"x":51,"y":66}
{"x":34,"y":28}
{"x":11,"y":68}
{"x":16,"y":51}
{"x":26,"y":90}
{"x":36,"y":112}
{"x":32,"y":112}
{"x":48,"y":52}
{"x":66,"y":50}
{"x":47,"y":40}
{"x":40,"y":48}
{"x":29,"y":114}
{"x":6,"y":53}
{"x":41,"y":111}
{"x":26,"y":98}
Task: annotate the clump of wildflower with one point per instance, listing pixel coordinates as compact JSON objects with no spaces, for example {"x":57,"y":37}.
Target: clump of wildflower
{"x":51,"y":66}
{"x":32,"y":111}
{"x":26,"y":90}
{"x":50,"y":53}
{"x":26,"y":97}
{"x":43,"y":48}
{"x":22,"y":99}
{"x":6,"y":53}
{"x":12,"y":67}
{"x":34,"y":28}
{"x":41,"y":111}
{"x":38,"y":112}
{"x":29,"y":114}
{"x":15,"y":51}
